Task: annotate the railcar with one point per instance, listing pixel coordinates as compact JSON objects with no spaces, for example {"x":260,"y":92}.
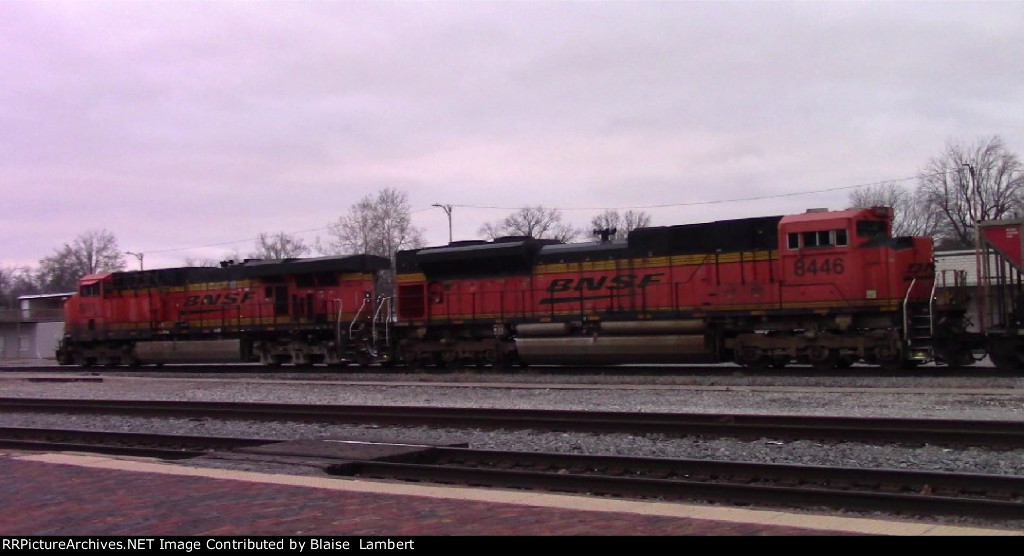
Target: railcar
{"x":828,"y":288}
{"x":999,"y":309}
{"x":300,"y":311}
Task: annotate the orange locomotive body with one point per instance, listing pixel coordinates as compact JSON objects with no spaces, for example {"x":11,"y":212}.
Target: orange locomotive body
{"x":825,"y":288}
{"x":302,"y":311}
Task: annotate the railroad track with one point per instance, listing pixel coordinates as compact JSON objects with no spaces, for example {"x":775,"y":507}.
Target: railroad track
{"x":329,"y":373}
{"x":725,"y":482}
{"x":913,"y":492}
{"x":992,"y":434}
{"x":163,"y":446}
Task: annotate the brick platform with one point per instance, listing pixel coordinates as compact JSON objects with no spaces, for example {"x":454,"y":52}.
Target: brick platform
{"x":55,"y":494}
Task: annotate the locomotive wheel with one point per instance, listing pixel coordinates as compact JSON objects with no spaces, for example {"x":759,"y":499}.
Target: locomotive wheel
{"x":962,"y":358}
{"x":900,"y":365}
{"x":752,"y":357}
{"x":1005,"y":355}
{"x":499,"y":366}
{"x":1005,"y":362}
{"x":888,"y":358}
{"x":823,"y":358}
{"x":411,"y":358}
{"x":497,"y":360}
{"x":364,"y":360}
{"x":845,"y":361}
{"x":450,"y":359}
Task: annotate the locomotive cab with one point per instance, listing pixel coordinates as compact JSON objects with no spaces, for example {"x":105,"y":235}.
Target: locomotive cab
{"x":84,"y":313}
{"x":870,"y":279}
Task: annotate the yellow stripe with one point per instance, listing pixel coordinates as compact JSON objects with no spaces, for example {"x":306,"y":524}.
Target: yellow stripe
{"x":760,"y":309}
{"x":657,"y":262}
{"x":408,"y":278}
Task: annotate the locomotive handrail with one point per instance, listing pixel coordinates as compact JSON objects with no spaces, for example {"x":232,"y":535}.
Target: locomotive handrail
{"x":906,"y":318}
{"x":337,"y":326}
{"x":931,"y":308}
{"x":355,"y":317}
{"x":387,"y":324}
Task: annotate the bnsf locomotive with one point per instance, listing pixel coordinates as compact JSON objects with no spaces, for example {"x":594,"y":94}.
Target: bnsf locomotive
{"x":301,"y":311}
{"x":822,"y":288}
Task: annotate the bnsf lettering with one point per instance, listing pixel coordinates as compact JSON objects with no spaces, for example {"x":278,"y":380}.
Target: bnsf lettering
{"x":231,"y":298}
{"x":619,"y":282}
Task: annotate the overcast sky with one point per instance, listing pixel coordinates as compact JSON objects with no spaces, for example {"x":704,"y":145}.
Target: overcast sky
{"x":187,"y":128}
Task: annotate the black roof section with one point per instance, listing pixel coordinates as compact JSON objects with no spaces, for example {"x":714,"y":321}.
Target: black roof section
{"x":508,"y":255}
{"x":577,"y":252}
{"x":744,"y":234}
{"x":518,"y":254}
{"x":250,"y":268}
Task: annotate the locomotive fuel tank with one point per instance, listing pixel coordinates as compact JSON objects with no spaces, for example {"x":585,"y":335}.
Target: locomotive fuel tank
{"x":205,"y":351}
{"x":641,"y":342}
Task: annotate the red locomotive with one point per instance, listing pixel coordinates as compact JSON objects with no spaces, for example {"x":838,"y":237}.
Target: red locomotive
{"x":826,"y":288}
{"x":302,"y":311}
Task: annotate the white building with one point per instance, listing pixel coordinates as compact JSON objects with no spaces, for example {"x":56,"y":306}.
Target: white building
{"x":33,"y":329}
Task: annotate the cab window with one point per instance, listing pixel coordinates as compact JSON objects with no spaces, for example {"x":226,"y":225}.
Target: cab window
{"x":91,"y":290}
{"x":871,"y":228}
{"x":820,"y":238}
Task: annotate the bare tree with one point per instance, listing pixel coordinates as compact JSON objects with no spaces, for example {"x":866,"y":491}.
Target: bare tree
{"x":279,"y":246}
{"x":910,"y":216}
{"x":376,"y":225}
{"x":964,"y":184}
{"x":200,"y":262}
{"x":91,"y":252}
{"x":15,"y":281}
{"x":537,"y":222}
{"x":623,"y":224}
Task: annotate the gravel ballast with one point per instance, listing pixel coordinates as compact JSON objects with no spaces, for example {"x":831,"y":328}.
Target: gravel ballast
{"x":944,"y":398}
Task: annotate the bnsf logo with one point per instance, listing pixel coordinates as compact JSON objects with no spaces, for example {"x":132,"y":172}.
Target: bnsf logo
{"x":619,"y":282}
{"x":611,"y":283}
{"x":232,"y":298}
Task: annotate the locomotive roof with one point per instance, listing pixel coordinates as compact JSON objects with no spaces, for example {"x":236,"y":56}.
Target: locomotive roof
{"x":248,"y":269}
{"x":503,"y":256}
{"x":743,"y":234}
{"x":517,"y":255}
{"x":347,"y":263}
{"x":815,"y":215}
{"x":575,"y":251}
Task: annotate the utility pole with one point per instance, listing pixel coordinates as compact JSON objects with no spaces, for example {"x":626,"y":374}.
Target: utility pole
{"x":981,"y":270}
{"x":448,"y":210}
{"x":137,"y":256}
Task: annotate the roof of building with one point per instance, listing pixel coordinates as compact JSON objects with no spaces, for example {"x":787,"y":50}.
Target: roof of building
{"x":46,"y":296}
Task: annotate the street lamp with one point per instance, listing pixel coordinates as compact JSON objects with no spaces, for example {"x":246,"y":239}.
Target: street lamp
{"x":448,"y":210}
{"x":981,"y":264}
{"x":137,"y":256}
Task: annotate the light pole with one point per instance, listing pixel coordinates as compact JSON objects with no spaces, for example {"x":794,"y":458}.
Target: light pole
{"x":137,"y":256}
{"x":981,"y":268}
{"x":448,"y":210}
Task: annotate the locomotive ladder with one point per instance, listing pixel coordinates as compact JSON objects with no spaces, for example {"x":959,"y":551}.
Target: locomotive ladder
{"x":918,"y":325}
